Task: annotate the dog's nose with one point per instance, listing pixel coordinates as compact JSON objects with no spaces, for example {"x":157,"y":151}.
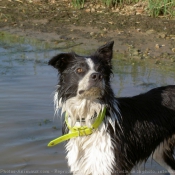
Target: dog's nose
{"x":96,"y":76}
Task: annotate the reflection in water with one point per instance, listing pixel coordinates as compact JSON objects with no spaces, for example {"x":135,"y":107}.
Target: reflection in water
{"x":133,"y":79}
{"x":27,"y":123}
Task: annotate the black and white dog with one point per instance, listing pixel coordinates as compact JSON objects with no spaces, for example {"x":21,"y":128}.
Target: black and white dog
{"x":133,"y":128}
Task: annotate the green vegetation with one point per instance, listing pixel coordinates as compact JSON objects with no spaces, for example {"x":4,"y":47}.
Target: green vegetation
{"x":78,"y":3}
{"x":155,"y":7}
{"x":110,"y":3}
{"x":161,"y":7}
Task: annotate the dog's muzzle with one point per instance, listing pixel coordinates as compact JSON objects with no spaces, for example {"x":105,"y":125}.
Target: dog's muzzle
{"x":96,"y":77}
{"x":94,"y":88}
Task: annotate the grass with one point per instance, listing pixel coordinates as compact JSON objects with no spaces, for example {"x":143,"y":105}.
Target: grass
{"x":161,"y":8}
{"x":78,"y":3}
{"x":110,"y":3}
{"x":155,"y":7}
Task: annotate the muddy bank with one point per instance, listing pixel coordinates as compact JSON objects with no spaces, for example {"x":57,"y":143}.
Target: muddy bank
{"x":137,"y":37}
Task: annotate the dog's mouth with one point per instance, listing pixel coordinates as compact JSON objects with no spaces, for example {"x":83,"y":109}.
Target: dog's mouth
{"x":93,"y":92}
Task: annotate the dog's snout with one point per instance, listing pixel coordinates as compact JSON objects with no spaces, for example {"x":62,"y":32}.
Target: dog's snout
{"x":96,"y":76}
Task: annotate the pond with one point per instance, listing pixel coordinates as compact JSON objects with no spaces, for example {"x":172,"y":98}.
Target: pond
{"x":27,"y":122}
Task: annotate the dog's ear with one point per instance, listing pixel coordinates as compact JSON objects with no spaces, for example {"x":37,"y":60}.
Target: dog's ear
{"x":105,"y":52}
{"x":60,"y":61}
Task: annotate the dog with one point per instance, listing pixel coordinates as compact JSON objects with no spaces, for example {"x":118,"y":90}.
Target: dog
{"x":104,"y":134}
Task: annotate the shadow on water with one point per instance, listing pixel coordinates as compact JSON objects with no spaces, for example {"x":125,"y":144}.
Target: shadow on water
{"x":27,"y":115}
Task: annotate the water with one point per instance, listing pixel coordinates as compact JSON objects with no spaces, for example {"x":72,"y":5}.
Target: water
{"x":27,"y":120}
{"x":26,"y":110}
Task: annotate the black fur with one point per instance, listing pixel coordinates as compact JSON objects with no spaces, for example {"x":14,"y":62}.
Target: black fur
{"x":147,"y":120}
{"x":144,"y":121}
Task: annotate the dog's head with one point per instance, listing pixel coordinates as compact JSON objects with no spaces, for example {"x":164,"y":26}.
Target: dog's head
{"x":85,"y":77}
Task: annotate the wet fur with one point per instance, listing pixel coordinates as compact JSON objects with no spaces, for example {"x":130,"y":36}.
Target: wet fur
{"x":134,"y":127}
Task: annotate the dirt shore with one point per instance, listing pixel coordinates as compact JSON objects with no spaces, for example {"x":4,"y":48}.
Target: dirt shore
{"x":138,"y":37}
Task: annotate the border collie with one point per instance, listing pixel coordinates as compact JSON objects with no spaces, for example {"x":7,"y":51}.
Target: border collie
{"x":131,"y":128}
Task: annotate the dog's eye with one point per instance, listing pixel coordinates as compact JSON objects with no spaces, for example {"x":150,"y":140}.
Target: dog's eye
{"x":79,"y":70}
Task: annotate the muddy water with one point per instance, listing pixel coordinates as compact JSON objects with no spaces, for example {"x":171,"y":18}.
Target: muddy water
{"x":27,"y":120}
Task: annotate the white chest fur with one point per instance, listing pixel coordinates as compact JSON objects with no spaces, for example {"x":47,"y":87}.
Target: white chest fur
{"x":91,"y":155}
